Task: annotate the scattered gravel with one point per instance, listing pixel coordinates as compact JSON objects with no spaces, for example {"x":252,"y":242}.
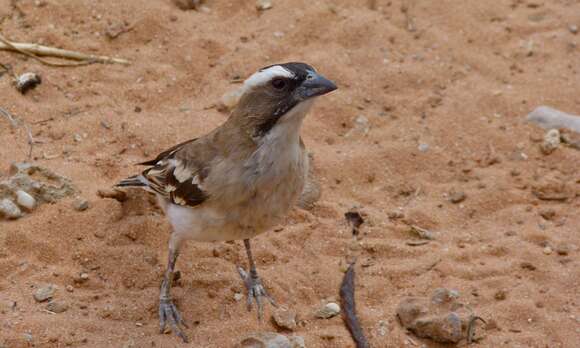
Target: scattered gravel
{"x":31,"y":185}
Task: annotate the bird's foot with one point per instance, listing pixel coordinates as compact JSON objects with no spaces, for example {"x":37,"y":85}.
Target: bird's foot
{"x":255,"y":291}
{"x":168,"y":313}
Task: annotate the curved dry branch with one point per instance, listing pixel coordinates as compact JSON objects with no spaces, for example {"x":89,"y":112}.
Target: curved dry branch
{"x":35,"y":51}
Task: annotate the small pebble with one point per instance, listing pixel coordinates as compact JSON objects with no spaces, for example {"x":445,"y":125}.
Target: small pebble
{"x":527,"y":265}
{"x":25,"y":200}
{"x":500,"y":295}
{"x":27,"y":81}
{"x":548,"y":213}
{"x":573,"y":28}
{"x":265,"y":340}
{"x":80,"y":204}
{"x":361,"y":126}
{"x":547,"y":250}
{"x":423,"y":147}
{"x":457,"y":197}
{"x":9,"y":209}
{"x":297,"y":342}
{"x":329,"y":310}
{"x":238,"y":297}
{"x":44,"y":293}
{"x":70,"y":288}
{"x":81,"y":278}
{"x":285,"y":318}
{"x":563,"y":249}
{"x":263,"y":5}
{"x":187,"y":4}
{"x":57,"y":306}
{"x":551,"y":141}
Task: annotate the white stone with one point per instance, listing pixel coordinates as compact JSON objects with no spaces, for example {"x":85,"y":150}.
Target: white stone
{"x":329,"y":310}
{"x":9,"y":209}
{"x":25,"y":200}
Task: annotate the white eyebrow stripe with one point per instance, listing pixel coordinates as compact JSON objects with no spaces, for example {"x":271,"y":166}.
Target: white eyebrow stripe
{"x":266,"y":75}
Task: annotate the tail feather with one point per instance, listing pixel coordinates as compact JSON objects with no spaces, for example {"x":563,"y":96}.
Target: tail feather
{"x":133,"y":181}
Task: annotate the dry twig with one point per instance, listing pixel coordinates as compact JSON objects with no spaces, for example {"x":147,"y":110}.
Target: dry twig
{"x":349,"y":314}
{"x":34,"y":51}
{"x":15,"y":122}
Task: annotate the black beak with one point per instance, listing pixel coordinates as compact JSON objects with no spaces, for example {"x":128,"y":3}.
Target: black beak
{"x":315,"y":85}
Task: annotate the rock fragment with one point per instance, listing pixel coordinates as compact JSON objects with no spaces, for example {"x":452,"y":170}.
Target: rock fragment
{"x":57,"y":306}
{"x":25,"y":200}
{"x":441,"y":318}
{"x":27,"y":81}
{"x":362,"y":127}
{"x":285,"y":318}
{"x":187,"y":4}
{"x":265,"y":340}
{"x":44,"y":293}
{"x":563,"y":249}
{"x":550,"y":118}
{"x":263,"y":5}
{"x":456,"y":197}
{"x":80,"y":204}
{"x":327,"y":311}
{"x":551,"y":141}
{"x":9,"y":209}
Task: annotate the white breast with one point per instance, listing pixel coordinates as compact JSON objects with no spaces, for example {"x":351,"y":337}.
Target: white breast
{"x":269,"y":184}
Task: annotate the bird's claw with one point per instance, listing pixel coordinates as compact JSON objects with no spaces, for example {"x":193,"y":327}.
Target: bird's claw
{"x":255,"y":291}
{"x":168,"y":313}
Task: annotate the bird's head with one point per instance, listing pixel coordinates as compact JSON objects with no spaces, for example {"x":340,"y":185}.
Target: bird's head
{"x":280,"y":93}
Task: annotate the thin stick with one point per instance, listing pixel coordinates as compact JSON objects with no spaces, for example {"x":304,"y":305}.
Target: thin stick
{"x":349,"y":313}
{"x":10,"y":118}
{"x":15,"y":122}
{"x":35,"y":50}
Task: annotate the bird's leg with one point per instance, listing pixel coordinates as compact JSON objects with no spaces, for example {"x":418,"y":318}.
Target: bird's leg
{"x":167,"y":310}
{"x":253,"y":283}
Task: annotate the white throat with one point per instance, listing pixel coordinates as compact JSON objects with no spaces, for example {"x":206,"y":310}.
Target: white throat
{"x":287,"y":129}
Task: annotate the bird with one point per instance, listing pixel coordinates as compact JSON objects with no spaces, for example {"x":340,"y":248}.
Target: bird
{"x":239,"y":180}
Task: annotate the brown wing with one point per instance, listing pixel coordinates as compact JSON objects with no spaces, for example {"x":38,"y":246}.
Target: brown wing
{"x":176,"y":177}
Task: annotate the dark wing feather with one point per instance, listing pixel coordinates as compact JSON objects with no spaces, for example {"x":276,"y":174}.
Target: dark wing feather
{"x":175,"y":177}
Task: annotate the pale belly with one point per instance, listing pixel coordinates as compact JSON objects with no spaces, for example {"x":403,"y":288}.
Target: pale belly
{"x":209,"y":222}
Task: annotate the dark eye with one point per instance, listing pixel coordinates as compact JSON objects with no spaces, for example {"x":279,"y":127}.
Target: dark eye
{"x":278,"y":83}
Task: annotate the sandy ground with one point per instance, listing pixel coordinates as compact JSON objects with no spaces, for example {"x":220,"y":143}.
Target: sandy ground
{"x":456,"y":76}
